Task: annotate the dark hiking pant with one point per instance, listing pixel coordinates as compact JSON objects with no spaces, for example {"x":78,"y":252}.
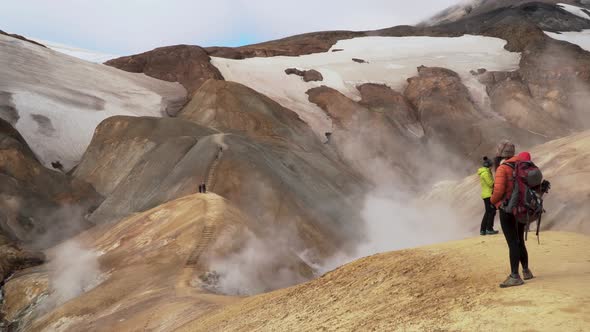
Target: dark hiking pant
{"x":514,"y":234}
{"x":487,"y":222}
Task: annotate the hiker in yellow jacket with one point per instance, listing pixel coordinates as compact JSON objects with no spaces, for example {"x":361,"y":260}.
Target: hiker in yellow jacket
{"x":487,"y":185}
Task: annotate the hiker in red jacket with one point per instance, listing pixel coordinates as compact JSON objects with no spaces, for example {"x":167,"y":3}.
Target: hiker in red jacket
{"x":513,"y":230}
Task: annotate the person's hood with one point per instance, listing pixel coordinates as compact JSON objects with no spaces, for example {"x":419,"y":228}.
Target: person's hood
{"x":512,"y":160}
{"x":524,"y":156}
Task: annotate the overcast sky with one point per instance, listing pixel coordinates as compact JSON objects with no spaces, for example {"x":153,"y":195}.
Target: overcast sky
{"x":132,"y":26}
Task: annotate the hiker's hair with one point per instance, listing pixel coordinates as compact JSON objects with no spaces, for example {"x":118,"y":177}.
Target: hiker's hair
{"x":498,"y":162}
{"x":487,"y":162}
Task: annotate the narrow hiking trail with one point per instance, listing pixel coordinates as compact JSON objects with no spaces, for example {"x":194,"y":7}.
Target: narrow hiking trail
{"x":209,"y":231}
{"x":450,"y":287}
{"x":210,"y":181}
{"x":151,"y":263}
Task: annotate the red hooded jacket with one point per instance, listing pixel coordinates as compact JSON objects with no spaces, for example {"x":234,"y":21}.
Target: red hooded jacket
{"x":503,"y":182}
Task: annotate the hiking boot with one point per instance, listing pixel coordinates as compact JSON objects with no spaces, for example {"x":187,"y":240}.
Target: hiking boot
{"x":492,"y":232}
{"x":527,"y":274}
{"x":512,"y":281}
{"x":482,"y":232}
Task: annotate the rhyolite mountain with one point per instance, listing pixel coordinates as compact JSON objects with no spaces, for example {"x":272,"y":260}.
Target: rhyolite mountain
{"x":290,"y":137}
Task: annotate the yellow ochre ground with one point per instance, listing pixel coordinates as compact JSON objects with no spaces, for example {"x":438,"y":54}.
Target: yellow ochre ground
{"x":445,"y":287}
{"x":151,"y":262}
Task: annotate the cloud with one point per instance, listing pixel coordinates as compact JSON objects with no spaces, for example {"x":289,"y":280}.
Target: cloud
{"x":131,"y":26}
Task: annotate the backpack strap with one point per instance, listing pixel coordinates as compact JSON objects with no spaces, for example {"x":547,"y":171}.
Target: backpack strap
{"x":511,"y":165}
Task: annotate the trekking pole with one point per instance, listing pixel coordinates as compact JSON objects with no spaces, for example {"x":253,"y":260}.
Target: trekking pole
{"x":539,"y":228}
{"x":527,"y":227}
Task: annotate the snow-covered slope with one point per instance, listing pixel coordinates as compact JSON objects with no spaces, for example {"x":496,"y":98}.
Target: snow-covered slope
{"x":80,"y":53}
{"x":474,"y":9}
{"x":56,"y":101}
{"x":578,"y":11}
{"x":389,"y":60}
{"x":581,"y":38}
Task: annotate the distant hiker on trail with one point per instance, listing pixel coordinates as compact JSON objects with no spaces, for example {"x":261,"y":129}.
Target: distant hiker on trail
{"x":328,"y":136}
{"x":507,"y":196}
{"x":487,"y":185}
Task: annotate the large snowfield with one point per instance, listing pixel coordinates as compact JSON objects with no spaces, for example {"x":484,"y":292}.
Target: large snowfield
{"x":390,"y":61}
{"x":56,"y":101}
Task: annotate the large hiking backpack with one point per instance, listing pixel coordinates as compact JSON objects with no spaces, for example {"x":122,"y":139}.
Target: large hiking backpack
{"x":526,"y":201}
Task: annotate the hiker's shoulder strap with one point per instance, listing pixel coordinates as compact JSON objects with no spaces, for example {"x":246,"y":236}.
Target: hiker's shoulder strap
{"x":510,"y":164}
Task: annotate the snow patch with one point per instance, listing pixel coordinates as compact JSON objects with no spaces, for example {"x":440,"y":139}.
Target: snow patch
{"x":61,"y":99}
{"x":391,"y":61}
{"x":581,"y":38}
{"x":575,"y":10}
{"x":394,"y":66}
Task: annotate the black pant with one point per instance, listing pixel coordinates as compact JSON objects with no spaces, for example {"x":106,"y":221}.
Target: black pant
{"x":487,"y":222}
{"x":514,"y":234}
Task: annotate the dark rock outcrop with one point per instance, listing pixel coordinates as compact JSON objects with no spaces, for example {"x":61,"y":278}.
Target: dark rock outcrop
{"x":14,"y":258}
{"x":40,"y":206}
{"x":312,"y":75}
{"x":188,"y":65}
{"x":13,"y":35}
{"x":307,"y":75}
{"x":309,"y":43}
{"x":537,"y":10}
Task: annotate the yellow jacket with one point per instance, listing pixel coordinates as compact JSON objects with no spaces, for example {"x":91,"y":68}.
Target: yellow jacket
{"x":487,"y":182}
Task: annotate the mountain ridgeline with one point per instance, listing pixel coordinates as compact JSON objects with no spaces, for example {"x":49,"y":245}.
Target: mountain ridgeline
{"x":162,"y":190}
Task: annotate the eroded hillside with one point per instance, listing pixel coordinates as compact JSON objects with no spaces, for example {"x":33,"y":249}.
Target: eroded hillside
{"x":315,"y":150}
